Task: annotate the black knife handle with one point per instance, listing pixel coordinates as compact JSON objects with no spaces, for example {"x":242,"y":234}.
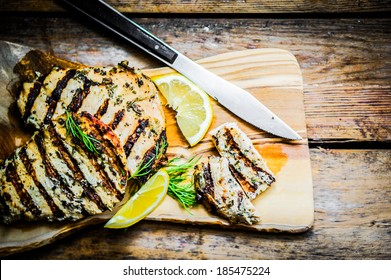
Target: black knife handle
{"x":126,"y":28}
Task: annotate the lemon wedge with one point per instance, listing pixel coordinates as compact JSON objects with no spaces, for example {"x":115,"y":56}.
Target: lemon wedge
{"x":193,"y":108}
{"x":141,"y":203}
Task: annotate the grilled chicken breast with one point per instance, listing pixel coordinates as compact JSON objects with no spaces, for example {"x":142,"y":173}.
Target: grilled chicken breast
{"x":121,"y":97}
{"x":245,"y":162}
{"x":221,"y":194}
{"x":227,"y":184}
{"x":55,"y":177}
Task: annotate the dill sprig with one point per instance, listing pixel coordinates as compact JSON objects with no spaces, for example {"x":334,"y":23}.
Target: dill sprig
{"x":144,"y":169}
{"x":74,"y":129}
{"x":179,"y":188}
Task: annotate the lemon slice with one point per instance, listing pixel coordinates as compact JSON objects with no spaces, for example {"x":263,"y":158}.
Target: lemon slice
{"x":142,"y":203}
{"x":193,"y":108}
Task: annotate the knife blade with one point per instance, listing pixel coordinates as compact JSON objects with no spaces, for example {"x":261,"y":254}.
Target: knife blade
{"x":235,"y":99}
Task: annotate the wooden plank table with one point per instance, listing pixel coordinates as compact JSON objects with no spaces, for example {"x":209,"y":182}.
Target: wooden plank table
{"x":344,"y":51}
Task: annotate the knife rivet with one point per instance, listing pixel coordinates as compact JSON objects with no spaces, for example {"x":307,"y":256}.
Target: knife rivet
{"x":156,"y":47}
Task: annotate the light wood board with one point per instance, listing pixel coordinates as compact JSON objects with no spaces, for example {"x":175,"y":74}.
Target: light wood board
{"x":273,"y":76}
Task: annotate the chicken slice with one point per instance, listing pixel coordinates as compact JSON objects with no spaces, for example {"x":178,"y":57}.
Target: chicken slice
{"x":221,"y":194}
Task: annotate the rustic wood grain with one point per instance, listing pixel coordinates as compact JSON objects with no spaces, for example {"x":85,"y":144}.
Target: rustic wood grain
{"x":346,"y":63}
{"x":212,"y":6}
{"x":352,"y":221}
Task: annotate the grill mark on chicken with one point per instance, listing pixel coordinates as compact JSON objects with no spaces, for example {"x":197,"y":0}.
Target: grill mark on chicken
{"x":246,"y":164}
{"x":65,"y":157}
{"x":56,"y":94}
{"x":34,"y":92}
{"x":72,"y":165}
{"x":8,"y":212}
{"x":104,"y":177}
{"x":51,"y":172}
{"x":151,"y":156}
{"x":117,"y":118}
{"x":27,"y":163}
{"x":205,"y":193}
{"x":4,"y":209}
{"x":208,"y":179}
{"x":240,"y":199}
{"x":76,"y":172}
{"x":135,"y":135}
{"x":7,"y":198}
{"x":221,"y":194}
{"x":24,"y":196}
{"x":102,"y":109}
{"x":235,"y":147}
{"x":98,"y":134}
{"x":242,"y":180}
{"x":80,"y":95}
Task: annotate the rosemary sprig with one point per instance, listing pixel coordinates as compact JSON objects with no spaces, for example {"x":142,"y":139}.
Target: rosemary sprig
{"x":74,"y":129}
{"x":179,"y":188}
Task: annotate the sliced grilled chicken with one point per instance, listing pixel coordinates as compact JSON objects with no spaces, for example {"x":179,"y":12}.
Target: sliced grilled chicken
{"x":221,"y":194}
{"x":245,"y":162}
{"x":55,"y":177}
{"x":121,"y":97}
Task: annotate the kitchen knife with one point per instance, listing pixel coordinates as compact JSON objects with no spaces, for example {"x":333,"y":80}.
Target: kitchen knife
{"x":232,"y":97}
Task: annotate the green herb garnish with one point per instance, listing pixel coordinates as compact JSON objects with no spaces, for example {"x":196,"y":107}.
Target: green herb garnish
{"x":74,"y":129}
{"x":179,"y":188}
{"x":144,"y":169}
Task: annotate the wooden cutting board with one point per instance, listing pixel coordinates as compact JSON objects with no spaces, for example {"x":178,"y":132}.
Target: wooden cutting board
{"x":273,"y":76}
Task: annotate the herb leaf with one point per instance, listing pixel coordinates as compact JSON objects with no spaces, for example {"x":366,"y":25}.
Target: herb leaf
{"x":179,"y":188}
{"x":74,"y":129}
{"x":144,"y":169}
